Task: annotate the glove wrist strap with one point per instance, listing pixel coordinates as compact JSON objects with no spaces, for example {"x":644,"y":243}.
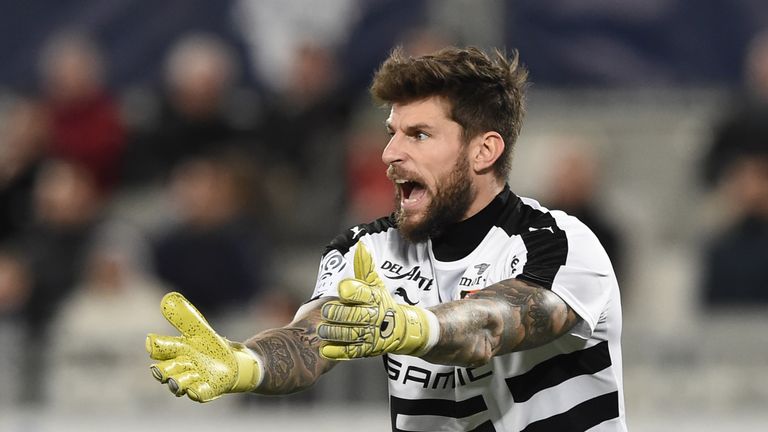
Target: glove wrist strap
{"x":249,"y":367}
{"x":432,"y":328}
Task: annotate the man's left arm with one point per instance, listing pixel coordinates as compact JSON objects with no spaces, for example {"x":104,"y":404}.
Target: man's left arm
{"x":512,"y":315}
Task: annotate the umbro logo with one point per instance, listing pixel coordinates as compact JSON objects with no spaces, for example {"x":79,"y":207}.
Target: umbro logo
{"x":356,"y":231}
{"x":532,"y":229}
{"x":481,"y":268}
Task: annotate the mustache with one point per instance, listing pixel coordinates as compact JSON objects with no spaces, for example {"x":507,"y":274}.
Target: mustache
{"x":395,"y":172}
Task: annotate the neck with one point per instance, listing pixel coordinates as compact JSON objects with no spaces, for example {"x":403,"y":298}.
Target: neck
{"x":486,"y":188}
{"x":459,"y":239}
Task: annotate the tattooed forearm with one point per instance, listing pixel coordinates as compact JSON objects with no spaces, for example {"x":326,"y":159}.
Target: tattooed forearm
{"x":291,"y":356}
{"x":511,"y":315}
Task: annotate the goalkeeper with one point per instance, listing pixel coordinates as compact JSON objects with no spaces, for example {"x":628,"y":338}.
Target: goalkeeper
{"x":491,"y":312}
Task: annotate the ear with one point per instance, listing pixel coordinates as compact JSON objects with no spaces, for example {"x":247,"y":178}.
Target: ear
{"x":487,"y":148}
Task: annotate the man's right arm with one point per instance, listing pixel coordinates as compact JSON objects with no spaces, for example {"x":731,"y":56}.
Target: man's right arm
{"x":204,"y":365}
{"x":290,"y":355}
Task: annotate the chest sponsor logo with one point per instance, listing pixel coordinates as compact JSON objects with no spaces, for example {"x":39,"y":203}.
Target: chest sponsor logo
{"x":398,"y":272}
{"x":434,"y":379}
{"x":472,"y":283}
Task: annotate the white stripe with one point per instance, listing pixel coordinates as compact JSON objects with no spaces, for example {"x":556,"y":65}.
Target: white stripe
{"x":561,"y":398}
{"x":439,"y":423}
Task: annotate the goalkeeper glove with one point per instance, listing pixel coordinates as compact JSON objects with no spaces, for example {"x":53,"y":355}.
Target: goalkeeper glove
{"x":366,"y":321}
{"x":200,"y":363}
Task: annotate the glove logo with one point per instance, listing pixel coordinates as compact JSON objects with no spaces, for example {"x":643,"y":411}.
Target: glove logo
{"x":387,"y":326}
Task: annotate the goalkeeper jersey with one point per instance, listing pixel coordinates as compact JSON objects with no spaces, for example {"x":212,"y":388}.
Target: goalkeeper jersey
{"x":571,"y":384}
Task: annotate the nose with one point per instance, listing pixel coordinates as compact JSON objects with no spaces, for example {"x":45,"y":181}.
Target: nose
{"x":392,"y":152}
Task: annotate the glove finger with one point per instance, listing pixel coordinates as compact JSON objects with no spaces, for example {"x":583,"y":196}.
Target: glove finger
{"x":165,"y":347}
{"x":161,"y":371}
{"x":201,"y":391}
{"x":354,"y":291}
{"x":365,"y":268}
{"x":344,"y":351}
{"x":345,"y":334}
{"x":185,"y":317}
{"x":178,"y":383}
{"x":336,"y":312}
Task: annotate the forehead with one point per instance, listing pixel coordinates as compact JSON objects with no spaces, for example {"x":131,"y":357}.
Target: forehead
{"x":432,"y":111}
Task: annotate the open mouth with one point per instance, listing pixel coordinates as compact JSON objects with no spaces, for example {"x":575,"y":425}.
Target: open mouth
{"x":410,"y":191}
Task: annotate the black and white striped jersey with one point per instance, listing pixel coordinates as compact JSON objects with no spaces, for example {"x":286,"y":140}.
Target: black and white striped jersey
{"x":571,"y":384}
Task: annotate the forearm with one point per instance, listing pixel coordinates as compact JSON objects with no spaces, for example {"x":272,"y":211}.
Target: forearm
{"x":290,"y":356}
{"x":505,"y":317}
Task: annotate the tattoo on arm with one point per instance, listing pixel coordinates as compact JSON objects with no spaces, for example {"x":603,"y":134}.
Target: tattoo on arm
{"x":511,"y":315}
{"x":291,"y":355}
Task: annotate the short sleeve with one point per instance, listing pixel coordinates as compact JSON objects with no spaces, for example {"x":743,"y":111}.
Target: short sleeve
{"x":586,"y":280}
{"x":334,"y":267}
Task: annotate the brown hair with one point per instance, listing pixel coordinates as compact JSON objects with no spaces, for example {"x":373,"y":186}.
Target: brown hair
{"x":485,"y":93}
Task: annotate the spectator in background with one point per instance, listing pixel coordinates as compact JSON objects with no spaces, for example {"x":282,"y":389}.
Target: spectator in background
{"x":85,"y":122}
{"x":14,"y":290}
{"x":93,"y":335}
{"x":14,"y":285}
{"x":734,"y":263}
{"x":23,"y":145}
{"x":573,"y":187}
{"x":369,"y":191}
{"x":300,"y":140}
{"x":214,"y":253}
{"x":745,"y":127}
{"x":736,"y":260}
{"x":200,"y":73}
{"x":67,"y":209}
{"x":275,"y":31}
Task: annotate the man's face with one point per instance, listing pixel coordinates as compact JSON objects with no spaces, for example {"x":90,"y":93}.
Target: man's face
{"x":428,"y":163}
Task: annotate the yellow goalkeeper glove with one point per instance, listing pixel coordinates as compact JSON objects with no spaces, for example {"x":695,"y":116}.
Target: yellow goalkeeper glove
{"x":199,"y":363}
{"x":366,"y":321}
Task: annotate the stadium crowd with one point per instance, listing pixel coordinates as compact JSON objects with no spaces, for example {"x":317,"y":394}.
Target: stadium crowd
{"x":199,"y":183}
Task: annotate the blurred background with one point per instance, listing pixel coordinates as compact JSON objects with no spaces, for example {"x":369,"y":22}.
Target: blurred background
{"x":215,"y":147}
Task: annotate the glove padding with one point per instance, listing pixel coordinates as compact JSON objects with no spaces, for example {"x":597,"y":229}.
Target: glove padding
{"x":366,"y":321}
{"x":199,"y":363}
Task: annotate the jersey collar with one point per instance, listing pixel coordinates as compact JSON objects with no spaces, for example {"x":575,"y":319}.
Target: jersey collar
{"x":460,"y":239}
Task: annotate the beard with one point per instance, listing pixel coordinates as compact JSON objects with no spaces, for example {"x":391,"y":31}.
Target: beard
{"x":448,"y":205}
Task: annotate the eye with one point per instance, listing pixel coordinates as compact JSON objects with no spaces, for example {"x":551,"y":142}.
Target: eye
{"x":420,"y":136}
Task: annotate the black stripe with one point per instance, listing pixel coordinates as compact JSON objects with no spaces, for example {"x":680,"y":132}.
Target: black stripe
{"x":438,"y":407}
{"x":547,"y":244}
{"x":343,"y":242}
{"x":559,"y":369}
{"x":485,"y":427}
{"x":547,"y":248}
{"x":581,"y":417}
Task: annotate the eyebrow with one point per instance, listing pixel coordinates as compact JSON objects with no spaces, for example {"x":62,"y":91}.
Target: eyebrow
{"x":412,"y":128}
